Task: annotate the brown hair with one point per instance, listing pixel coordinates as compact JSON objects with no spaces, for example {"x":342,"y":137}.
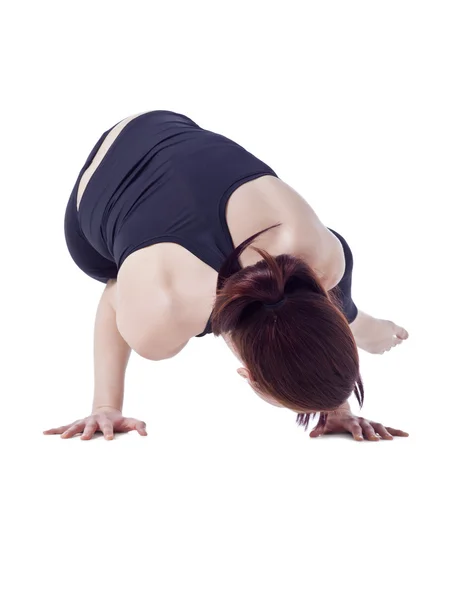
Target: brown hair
{"x":301,"y":353}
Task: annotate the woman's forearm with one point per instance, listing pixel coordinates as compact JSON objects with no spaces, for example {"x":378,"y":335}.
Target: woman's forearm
{"x":111,"y":354}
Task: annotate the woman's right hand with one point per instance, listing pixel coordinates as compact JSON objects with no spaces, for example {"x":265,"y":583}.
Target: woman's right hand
{"x":107,"y":420}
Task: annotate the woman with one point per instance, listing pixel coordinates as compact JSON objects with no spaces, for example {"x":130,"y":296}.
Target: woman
{"x":163,"y":212}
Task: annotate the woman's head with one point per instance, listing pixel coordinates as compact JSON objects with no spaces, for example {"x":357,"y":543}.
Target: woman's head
{"x":300,"y":353}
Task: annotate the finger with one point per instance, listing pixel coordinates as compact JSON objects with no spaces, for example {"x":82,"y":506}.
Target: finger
{"x":56,"y":430}
{"x":73,"y":430}
{"x":141,"y":428}
{"x":107,"y":429}
{"x":319,"y":430}
{"x":368,"y":430}
{"x":381,"y":430}
{"x":90,"y":429}
{"x":397,"y":432}
{"x":356,"y":431}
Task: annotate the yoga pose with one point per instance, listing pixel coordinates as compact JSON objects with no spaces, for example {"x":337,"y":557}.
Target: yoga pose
{"x":192,"y":235}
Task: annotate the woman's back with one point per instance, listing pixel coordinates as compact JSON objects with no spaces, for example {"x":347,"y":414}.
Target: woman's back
{"x":167,"y":201}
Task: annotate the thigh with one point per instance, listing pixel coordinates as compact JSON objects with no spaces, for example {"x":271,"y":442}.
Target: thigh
{"x":84,"y":255}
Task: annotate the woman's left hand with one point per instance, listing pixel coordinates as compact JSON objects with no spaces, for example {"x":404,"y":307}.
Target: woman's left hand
{"x":343,"y":420}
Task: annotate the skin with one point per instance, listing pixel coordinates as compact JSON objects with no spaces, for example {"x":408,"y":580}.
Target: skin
{"x":163,"y":297}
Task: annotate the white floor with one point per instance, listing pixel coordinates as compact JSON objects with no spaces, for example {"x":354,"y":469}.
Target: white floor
{"x":226,"y":498}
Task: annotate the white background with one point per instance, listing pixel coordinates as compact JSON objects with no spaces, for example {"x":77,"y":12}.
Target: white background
{"x":226,"y":498}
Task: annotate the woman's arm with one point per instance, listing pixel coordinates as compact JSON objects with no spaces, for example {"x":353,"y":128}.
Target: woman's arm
{"x":111,"y":353}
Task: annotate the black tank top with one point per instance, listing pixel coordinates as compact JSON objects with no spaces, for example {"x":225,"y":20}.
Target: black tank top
{"x":166,"y":179}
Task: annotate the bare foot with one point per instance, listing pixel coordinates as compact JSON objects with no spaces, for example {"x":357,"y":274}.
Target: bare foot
{"x":376,"y":335}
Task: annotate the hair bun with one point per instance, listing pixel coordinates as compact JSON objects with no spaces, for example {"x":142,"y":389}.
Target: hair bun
{"x":265,"y":284}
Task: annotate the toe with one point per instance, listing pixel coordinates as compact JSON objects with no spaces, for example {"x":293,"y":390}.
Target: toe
{"x":400,"y":332}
